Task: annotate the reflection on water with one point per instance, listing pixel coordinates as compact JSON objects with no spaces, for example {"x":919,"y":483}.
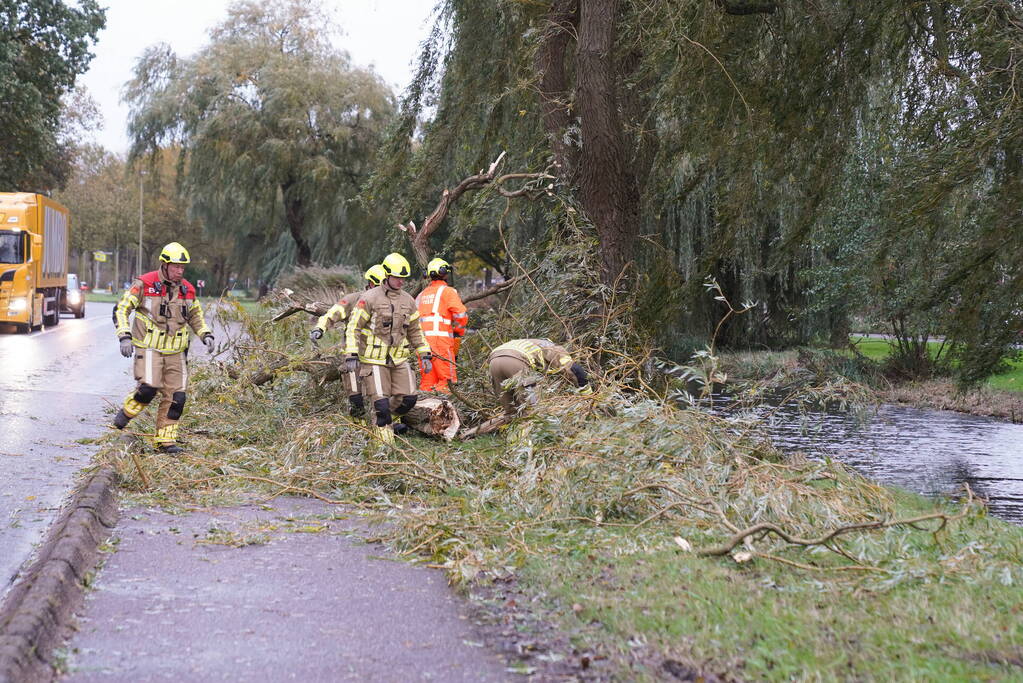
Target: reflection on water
{"x":925,"y":451}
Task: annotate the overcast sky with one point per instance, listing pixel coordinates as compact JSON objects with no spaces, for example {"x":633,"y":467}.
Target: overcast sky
{"x":384,"y":34}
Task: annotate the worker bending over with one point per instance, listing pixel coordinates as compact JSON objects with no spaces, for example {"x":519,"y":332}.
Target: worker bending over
{"x":382,"y":327}
{"x":541,"y":355}
{"x":342,"y":310}
{"x":444,"y":321}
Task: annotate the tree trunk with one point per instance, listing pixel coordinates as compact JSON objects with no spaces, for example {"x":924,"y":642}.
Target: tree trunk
{"x":555,"y":93}
{"x":608,"y":188}
{"x":294,"y":214}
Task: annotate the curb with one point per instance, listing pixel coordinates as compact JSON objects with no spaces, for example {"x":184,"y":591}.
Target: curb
{"x":40,"y":604}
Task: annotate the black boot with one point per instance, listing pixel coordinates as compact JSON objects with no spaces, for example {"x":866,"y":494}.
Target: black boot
{"x":121,"y":420}
{"x":169,"y":448}
{"x":400,"y":428}
{"x":356,"y":405}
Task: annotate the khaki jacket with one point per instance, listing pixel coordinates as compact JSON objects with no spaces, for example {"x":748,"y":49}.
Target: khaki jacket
{"x":384,"y":326}
{"x":164,"y":312}
{"x":542,"y":355}
{"x":338,"y":312}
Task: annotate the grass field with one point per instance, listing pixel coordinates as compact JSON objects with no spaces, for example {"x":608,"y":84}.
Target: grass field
{"x":251,"y":306}
{"x":879,"y":349}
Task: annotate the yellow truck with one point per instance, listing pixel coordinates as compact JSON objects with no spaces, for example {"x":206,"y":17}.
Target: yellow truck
{"x":35,"y":232}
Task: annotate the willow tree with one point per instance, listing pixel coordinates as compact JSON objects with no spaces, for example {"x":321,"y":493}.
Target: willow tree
{"x":276,"y":125}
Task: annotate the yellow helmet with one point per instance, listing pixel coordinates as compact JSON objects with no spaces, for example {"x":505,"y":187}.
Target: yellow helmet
{"x":376,"y":274}
{"x":175,"y":253}
{"x":438,"y":267}
{"x":397,"y":265}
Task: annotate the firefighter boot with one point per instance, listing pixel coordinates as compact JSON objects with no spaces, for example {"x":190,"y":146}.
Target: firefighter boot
{"x":400,"y":428}
{"x":169,"y":448}
{"x":121,"y":419}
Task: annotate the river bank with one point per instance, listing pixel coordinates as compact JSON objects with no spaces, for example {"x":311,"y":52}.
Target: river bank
{"x":658,"y":541}
{"x":778,"y":370}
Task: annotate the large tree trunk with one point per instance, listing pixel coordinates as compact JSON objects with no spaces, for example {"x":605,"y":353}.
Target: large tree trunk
{"x":294,"y":214}
{"x":607,"y":182}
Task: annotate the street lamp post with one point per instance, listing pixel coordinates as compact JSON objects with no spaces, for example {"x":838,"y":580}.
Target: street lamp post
{"x":138,"y":257}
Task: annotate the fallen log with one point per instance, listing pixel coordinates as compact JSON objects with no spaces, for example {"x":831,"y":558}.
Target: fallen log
{"x":434,"y":417}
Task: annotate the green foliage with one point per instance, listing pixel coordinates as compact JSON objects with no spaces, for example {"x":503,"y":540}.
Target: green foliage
{"x":44,"y":47}
{"x":278,"y":131}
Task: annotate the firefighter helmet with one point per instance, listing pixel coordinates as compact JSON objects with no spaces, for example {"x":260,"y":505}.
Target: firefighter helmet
{"x":438,"y":267}
{"x":376,"y":274}
{"x":397,"y":265}
{"x":175,"y":253}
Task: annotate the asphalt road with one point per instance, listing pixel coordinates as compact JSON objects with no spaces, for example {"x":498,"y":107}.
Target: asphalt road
{"x":55,"y":386}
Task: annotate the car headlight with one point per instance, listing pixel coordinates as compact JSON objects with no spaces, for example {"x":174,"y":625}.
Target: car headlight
{"x":18,"y":305}
{"x":74,"y":297}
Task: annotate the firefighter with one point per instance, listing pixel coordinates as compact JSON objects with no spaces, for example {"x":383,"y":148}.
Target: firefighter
{"x":165,"y":308}
{"x":381,"y":328}
{"x":340,"y":311}
{"x":541,"y":355}
{"x":444,"y":321}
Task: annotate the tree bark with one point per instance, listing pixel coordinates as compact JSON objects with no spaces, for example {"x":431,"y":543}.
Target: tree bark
{"x":608,"y":188}
{"x":294,"y":214}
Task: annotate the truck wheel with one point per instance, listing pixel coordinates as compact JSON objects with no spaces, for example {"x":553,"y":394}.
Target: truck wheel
{"x":80,"y":313}
{"x":21,"y":328}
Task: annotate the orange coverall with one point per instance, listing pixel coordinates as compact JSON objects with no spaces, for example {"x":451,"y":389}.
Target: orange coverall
{"x":443,"y":317}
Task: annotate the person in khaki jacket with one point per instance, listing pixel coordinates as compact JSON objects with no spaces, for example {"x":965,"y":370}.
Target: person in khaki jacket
{"x":540,"y":355}
{"x":342,"y":310}
{"x":166,"y":310}
{"x":381,"y":328}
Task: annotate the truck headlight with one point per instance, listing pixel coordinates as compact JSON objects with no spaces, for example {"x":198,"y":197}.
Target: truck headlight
{"x":18,"y":305}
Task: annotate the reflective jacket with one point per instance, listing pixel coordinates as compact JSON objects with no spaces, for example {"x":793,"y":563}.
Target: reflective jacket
{"x":382,"y":326}
{"x":163,"y":313}
{"x":541,"y":355}
{"x":338,"y":312}
{"x":441,"y":311}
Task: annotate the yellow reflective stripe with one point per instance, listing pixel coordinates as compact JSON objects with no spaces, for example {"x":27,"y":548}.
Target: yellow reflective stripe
{"x":167,"y":434}
{"x":127,"y":303}
{"x":351,"y":341}
{"x":203,"y":329}
{"x":132,"y":407}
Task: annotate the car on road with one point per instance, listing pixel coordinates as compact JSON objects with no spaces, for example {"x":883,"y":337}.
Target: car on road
{"x":73,"y":300}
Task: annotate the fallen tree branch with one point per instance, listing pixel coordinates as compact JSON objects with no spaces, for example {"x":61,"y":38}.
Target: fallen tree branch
{"x":769,"y":528}
{"x":419,"y":237}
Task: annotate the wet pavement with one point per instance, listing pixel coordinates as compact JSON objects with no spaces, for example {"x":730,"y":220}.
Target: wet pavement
{"x":55,"y":386}
{"x":274,"y":592}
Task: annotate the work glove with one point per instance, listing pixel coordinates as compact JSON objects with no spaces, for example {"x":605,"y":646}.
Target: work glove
{"x":127,"y":348}
{"x":208,"y":341}
{"x":351,"y":363}
{"x":315,"y":333}
{"x":427,"y":360}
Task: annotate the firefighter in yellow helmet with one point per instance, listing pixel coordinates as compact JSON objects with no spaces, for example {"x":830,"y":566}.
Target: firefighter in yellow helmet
{"x":165,"y":307}
{"x":382,"y":331}
{"x":341,"y":311}
{"x":540,"y":355}
{"x":444,"y":321}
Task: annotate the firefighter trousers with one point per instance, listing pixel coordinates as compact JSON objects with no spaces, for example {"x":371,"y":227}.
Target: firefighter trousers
{"x":389,"y":390}
{"x":166,"y":375}
{"x":504,"y":368}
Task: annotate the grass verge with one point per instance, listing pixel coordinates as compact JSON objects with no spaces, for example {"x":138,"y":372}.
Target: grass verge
{"x":608,"y":509}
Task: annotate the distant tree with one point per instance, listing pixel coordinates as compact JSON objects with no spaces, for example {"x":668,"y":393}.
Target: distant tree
{"x":276,"y":127}
{"x":44,"y":47}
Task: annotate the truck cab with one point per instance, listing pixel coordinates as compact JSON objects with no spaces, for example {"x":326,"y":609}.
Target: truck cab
{"x":34,"y":239}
